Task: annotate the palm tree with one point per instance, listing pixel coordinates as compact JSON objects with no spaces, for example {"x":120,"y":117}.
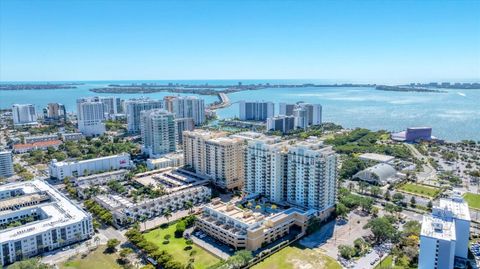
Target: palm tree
{"x":167,"y":214}
{"x":189,"y":206}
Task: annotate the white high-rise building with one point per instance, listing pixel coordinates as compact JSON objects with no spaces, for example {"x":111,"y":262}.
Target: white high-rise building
{"x":6,"y":164}
{"x":445,"y":235}
{"x":91,"y":116}
{"x":286,"y":109}
{"x":302,"y":174}
{"x":255,"y":110}
{"x":300,"y":115}
{"x":307,"y":115}
{"x":158,"y":132}
{"x":24,"y":114}
{"x":134,"y":107}
{"x":281,"y":123}
{"x":112,"y":104}
{"x":188,"y":107}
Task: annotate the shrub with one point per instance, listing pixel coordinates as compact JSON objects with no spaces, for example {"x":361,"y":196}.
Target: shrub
{"x":180,"y":228}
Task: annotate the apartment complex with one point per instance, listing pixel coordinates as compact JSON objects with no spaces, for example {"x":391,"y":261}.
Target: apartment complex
{"x":213,"y":155}
{"x":54,"y":112}
{"x":24,"y":114}
{"x":126,"y":212}
{"x":6,"y":164}
{"x":301,"y":174}
{"x":112,"y":105}
{"x":40,"y":138}
{"x":444,"y":236}
{"x":281,"y":123}
{"x":174,"y":159}
{"x":91,"y":116}
{"x":183,"y":124}
{"x":42,"y":145}
{"x":133,"y":109}
{"x":224,"y":162}
{"x":61,"y":170}
{"x":158,"y":132}
{"x":255,"y":110}
{"x":51,"y":220}
{"x":187,"y":107}
{"x":249,"y":230}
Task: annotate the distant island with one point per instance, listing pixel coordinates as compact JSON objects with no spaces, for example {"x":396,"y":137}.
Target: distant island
{"x":406,"y":89}
{"x":205,"y":89}
{"x":38,"y":86}
{"x":447,"y":85}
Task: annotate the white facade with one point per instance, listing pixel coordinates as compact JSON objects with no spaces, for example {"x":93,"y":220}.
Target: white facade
{"x":91,"y":116}
{"x":281,"y":123}
{"x":6,"y":164}
{"x":189,"y":107}
{"x":60,"y":170}
{"x":165,"y":161}
{"x":125,"y":213}
{"x":303,"y":174}
{"x":255,"y":110}
{"x":445,"y":235}
{"x":24,"y":114}
{"x":133,"y":109}
{"x":42,"y":138}
{"x":158,"y":131}
{"x":59,"y":222}
{"x":300,"y":115}
{"x":111,"y":104}
{"x":72,"y":136}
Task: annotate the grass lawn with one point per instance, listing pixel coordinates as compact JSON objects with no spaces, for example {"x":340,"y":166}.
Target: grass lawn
{"x":472,"y":199}
{"x":95,"y":259}
{"x":293,"y":257}
{"x":387,"y":263}
{"x":203,"y":258}
{"x":420,"y":189}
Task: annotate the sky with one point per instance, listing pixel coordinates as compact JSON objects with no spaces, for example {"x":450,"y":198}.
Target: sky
{"x":355,"y":41}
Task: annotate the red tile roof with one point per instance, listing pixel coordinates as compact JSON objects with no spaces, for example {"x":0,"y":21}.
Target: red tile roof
{"x":41,"y":144}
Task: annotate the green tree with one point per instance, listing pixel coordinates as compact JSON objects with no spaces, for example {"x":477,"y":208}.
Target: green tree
{"x":341,"y":210}
{"x":347,"y":252}
{"x":413,"y":202}
{"x":112,"y":245}
{"x":382,"y":229}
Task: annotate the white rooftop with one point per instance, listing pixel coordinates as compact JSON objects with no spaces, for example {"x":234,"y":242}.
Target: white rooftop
{"x":438,"y":228}
{"x":376,"y":157}
{"x":457,"y":206}
{"x":60,"y":211}
{"x":62,"y":163}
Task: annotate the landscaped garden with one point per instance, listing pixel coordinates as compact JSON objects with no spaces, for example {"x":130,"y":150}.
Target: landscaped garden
{"x":95,"y":259}
{"x":292,"y":257}
{"x":179,"y":247}
{"x":472,"y":199}
{"x":421,"y":190}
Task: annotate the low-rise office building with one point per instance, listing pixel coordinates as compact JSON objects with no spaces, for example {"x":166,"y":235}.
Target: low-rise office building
{"x":61,"y":170}
{"x":50,"y":220}
{"x":245,"y":229}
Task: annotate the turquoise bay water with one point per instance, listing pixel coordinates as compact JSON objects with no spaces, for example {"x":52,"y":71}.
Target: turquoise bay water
{"x":454,"y":115}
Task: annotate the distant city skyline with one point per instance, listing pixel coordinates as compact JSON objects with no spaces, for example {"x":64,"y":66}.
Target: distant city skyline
{"x":389,"y":42}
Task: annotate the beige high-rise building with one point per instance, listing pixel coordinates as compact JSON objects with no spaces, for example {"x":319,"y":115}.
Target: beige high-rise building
{"x":213,"y":155}
{"x":224,"y":158}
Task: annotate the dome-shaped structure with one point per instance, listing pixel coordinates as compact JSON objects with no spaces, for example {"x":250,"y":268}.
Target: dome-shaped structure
{"x":378,"y":174}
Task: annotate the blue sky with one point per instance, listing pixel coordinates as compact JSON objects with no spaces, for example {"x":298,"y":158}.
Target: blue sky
{"x":358,"y":41}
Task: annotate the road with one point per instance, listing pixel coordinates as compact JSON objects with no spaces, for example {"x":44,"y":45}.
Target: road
{"x":429,"y":174}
